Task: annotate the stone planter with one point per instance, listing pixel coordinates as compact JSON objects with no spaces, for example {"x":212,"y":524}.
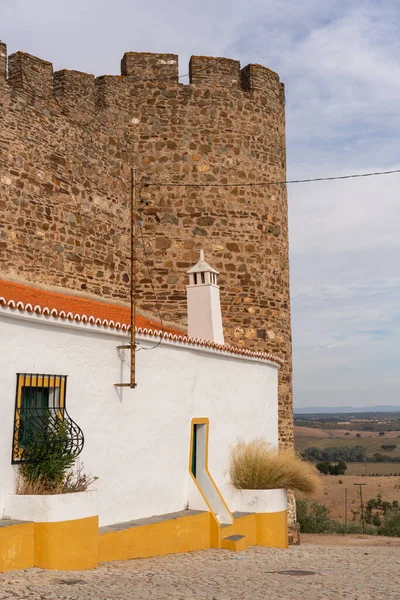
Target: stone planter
{"x":270,"y":508}
{"x":66,"y":527}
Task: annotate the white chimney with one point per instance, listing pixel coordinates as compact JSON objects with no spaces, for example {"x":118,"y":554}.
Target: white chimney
{"x":203,"y":303}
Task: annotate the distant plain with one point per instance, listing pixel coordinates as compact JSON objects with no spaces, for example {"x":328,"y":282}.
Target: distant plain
{"x":378,"y":477}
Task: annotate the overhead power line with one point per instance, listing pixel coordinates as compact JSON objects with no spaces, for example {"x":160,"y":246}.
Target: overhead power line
{"x":262,"y":183}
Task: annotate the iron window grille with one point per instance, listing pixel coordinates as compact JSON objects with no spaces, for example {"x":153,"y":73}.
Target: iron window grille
{"x":41,"y":418}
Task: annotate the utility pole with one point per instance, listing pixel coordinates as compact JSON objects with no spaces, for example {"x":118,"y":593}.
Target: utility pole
{"x":362,"y":505}
{"x":133,"y":277}
{"x":132,"y":345}
{"x":345,"y":507}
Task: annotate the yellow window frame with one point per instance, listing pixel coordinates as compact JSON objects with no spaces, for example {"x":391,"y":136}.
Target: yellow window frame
{"x":31,"y":380}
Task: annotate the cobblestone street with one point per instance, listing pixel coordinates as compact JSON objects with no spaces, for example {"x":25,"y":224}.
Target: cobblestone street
{"x":363,"y":569}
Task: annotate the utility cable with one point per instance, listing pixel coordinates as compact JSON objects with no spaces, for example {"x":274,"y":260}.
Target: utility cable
{"x":205,"y":68}
{"x":262,"y":183}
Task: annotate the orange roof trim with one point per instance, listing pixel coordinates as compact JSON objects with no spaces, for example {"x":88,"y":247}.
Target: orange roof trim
{"x":74,"y":307}
{"x":103,"y":314}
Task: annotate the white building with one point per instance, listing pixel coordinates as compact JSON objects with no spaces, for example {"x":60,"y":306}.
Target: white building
{"x":148,"y":446}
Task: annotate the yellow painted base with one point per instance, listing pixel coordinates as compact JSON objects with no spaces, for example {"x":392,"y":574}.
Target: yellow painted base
{"x":17,"y":547}
{"x":234,"y":545}
{"x":246,"y":526}
{"x":272,"y":529}
{"x":67,"y":545}
{"x":184,"y":534}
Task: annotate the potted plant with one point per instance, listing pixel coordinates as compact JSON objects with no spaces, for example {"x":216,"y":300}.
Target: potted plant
{"x":261,"y":477}
{"x":56,"y":497}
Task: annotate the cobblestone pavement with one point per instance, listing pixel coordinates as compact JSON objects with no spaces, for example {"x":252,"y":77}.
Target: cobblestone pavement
{"x":349,"y":572}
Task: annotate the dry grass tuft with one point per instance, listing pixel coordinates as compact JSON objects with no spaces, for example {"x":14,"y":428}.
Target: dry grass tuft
{"x":257,"y":466}
{"x":29,"y":487}
{"x":72,"y":482}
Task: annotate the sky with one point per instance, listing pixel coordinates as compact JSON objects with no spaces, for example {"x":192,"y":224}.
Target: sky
{"x":340,"y":61}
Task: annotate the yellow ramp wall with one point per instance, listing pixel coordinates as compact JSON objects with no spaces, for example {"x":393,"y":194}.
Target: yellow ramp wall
{"x":17,"y":547}
{"x":184,"y":534}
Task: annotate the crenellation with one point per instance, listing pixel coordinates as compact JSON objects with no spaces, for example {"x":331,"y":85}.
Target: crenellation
{"x":32,"y":74}
{"x":150,"y":67}
{"x":113,"y":91}
{"x":221,"y":72}
{"x":75,"y":92}
{"x":263,"y":80}
{"x":3,"y":61}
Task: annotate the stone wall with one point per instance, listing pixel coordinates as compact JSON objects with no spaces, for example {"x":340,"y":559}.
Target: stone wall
{"x":67,"y":143}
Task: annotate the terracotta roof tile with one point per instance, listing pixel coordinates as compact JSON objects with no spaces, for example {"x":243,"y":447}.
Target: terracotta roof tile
{"x":76,"y":305}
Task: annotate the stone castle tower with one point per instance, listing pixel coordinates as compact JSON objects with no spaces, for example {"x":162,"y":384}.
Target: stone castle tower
{"x":67,"y":143}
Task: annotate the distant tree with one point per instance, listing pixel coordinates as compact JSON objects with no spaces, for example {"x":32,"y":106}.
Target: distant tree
{"x":324,"y":467}
{"x":381,"y":433}
{"x":388,"y":447}
{"x":358,"y":434}
{"x":347,"y":433}
{"x":327,"y":468}
{"x":378,"y":457}
{"x":337,"y":453}
{"x":312,"y":452}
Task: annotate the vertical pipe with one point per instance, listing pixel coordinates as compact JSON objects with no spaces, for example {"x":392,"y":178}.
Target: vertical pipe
{"x":362,"y":510}
{"x":133,"y":278}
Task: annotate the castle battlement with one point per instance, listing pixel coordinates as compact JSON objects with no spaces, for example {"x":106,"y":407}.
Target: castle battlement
{"x":83,"y":91}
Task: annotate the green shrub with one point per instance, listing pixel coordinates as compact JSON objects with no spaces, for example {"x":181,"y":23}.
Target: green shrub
{"x":49,"y":460}
{"x":313,"y":517}
{"x":391,"y":524}
{"x":376,"y":520}
{"x":352,"y":528}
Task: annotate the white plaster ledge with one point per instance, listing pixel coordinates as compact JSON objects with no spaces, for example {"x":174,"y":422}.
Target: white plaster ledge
{"x":52,"y":508}
{"x":261,"y":501}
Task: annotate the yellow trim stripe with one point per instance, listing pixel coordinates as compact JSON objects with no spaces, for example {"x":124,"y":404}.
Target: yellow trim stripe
{"x":205,"y":421}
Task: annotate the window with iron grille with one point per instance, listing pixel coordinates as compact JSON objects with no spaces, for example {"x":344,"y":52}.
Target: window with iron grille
{"x":40,"y":409}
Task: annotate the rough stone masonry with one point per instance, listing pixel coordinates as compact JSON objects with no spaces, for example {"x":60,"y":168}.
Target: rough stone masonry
{"x":67,"y":143}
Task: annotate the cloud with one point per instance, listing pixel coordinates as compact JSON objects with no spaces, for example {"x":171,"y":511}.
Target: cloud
{"x":340,"y":61}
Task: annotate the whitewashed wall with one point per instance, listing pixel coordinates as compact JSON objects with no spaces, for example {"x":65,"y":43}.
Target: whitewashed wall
{"x":137,"y":441}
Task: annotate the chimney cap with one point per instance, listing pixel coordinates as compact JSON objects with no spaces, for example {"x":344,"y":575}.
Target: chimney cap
{"x":202,"y":266}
